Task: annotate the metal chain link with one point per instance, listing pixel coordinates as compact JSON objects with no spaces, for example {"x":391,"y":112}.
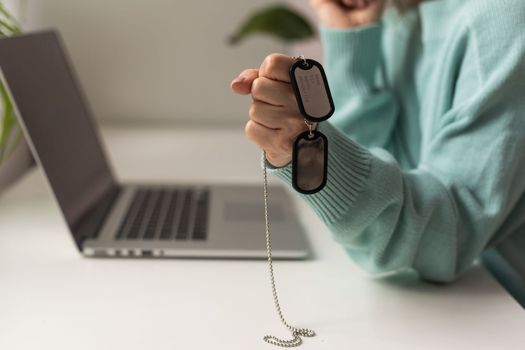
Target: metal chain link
{"x":297,"y":333}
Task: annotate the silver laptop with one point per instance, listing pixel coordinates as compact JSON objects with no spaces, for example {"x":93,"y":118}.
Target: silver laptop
{"x":110,"y":219}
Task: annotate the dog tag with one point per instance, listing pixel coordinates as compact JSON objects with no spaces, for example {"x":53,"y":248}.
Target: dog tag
{"x":311,"y":90}
{"x":309,"y":162}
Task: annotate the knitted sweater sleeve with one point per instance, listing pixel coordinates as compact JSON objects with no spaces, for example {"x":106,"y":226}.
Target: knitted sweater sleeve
{"x":439,"y":216}
{"x":366,"y":110}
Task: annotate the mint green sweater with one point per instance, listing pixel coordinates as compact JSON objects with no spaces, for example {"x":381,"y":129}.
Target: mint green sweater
{"x":427,"y":145}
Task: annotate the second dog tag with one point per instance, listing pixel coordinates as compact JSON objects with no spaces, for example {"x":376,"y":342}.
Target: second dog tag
{"x":309,"y":162}
{"x":311,"y":90}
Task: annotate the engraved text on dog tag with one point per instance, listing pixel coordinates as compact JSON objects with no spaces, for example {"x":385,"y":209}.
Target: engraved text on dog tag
{"x":311,"y":90}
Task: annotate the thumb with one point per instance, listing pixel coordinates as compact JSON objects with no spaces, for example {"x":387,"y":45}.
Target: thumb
{"x":242,"y":85}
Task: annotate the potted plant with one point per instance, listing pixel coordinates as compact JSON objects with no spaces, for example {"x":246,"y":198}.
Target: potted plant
{"x":14,"y":154}
{"x":278,"y":21}
{"x":291,"y":24}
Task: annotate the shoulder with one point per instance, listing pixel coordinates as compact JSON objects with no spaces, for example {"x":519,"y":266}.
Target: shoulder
{"x":488,"y":19}
{"x":496,"y":30}
{"x":492,"y":21}
{"x":502,"y":15}
{"x":512,"y":11}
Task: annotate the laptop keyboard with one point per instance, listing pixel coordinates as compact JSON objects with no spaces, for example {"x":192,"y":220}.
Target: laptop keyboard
{"x":166,"y":214}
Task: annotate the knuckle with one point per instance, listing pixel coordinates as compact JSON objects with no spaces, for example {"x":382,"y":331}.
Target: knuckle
{"x":256,"y":87}
{"x":270,"y":63}
{"x":249,"y":130}
{"x":252,"y":111}
{"x":272,"y":59}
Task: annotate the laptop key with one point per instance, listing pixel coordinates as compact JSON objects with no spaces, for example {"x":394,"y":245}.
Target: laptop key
{"x":153,"y":221}
{"x":182,"y":230}
{"x":134,"y":231}
{"x":127,"y":223}
{"x":200,"y":227}
{"x":166,"y":214}
{"x":166,"y":231}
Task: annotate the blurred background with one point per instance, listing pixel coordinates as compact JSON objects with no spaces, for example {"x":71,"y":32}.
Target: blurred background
{"x":156,"y":61}
{"x":157,"y":64}
{"x":162,"y":63}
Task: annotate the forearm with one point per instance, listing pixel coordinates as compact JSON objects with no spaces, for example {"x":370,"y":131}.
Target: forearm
{"x":365,"y":109}
{"x":389,"y":220}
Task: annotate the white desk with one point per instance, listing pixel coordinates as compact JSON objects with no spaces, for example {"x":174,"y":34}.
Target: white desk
{"x":52,"y":298}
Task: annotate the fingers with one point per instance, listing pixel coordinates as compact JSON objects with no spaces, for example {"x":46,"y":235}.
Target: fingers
{"x":242,"y":85}
{"x":355,"y":3}
{"x":275,"y":117}
{"x":347,"y":13}
{"x":273,"y":92}
{"x":332,"y":13}
{"x":317,"y":4}
{"x":276,"y":144}
{"x":274,"y":66}
{"x":345,"y":3}
{"x":259,"y":134}
{"x":277,"y":67}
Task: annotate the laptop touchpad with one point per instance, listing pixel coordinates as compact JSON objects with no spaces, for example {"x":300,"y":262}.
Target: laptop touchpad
{"x":251,"y":211}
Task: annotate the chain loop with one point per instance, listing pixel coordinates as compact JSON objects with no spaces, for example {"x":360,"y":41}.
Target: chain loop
{"x":297,"y":333}
{"x":311,"y":127}
{"x":301,"y":58}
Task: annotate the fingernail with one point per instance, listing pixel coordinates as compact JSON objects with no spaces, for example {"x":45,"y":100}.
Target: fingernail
{"x":239,"y":79}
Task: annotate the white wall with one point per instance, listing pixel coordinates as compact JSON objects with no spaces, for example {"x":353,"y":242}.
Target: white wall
{"x":310,"y":48}
{"x":156,"y":60}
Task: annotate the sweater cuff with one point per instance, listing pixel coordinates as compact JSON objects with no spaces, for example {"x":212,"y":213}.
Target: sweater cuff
{"x":348,"y":167}
{"x":352,"y":56}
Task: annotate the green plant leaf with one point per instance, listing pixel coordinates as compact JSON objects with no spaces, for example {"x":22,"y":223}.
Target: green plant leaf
{"x":8,"y":140}
{"x":10,"y":148}
{"x":8,"y":22}
{"x":7,"y":121}
{"x":278,"y":21}
{"x":11,"y":29}
{"x":8,"y":15}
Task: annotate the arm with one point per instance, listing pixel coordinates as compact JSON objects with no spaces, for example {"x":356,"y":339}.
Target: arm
{"x":363,"y":111}
{"x":351,"y":36}
{"x":437,"y":218}
{"x":468,"y":188}
{"x":275,"y":120}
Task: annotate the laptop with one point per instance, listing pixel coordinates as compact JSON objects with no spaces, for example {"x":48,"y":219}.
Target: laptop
{"x":111,"y":219}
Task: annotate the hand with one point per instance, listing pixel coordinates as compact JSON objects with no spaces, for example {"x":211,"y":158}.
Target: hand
{"x":275,"y":120}
{"x":347,"y":13}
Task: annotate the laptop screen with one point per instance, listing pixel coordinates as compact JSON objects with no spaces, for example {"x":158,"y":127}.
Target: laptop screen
{"x":58,"y":123}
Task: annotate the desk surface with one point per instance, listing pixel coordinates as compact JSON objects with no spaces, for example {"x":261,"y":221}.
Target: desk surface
{"x":52,"y":298}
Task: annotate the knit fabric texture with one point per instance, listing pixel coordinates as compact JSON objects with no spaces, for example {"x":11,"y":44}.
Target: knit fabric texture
{"x":427,"y":144}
